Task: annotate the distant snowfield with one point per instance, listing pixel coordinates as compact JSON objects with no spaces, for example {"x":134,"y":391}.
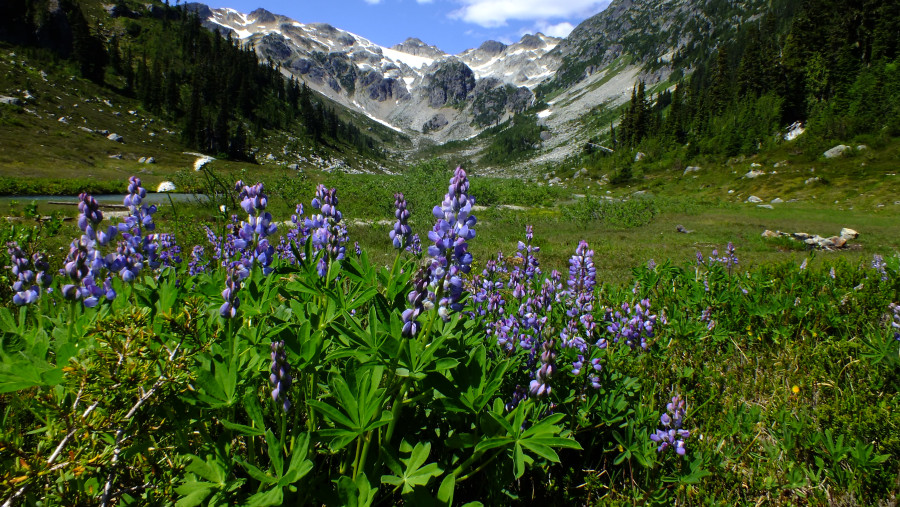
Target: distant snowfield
{"x":416,"y":62}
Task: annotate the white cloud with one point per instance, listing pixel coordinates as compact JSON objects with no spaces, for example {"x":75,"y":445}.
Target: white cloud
{"x":494,"y":13}
{"x":424,"y":1}
{"x":372,"y":2}
{"x":558,"y":30}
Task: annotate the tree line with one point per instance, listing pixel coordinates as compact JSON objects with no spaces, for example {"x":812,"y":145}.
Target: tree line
{"x":214,"y":87}
{"x":831,"y":65}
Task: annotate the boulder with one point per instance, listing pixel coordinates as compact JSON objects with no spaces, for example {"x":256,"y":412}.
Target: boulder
{"x":150,"y":160}
{"x":811,"y":180}
{"x":860,"y":147}
{"x":777,"y":200}
{"x":11,"y":101}
{"x":802,"y":236}
{"x":89,"y":131}
{"x":639,"y":156}
{"x":766,"y":206}
{"x":755,"y":164}
{"x":837,"y":151}
{"x":770,"y":234}
{"x":753,"y":199}
{"x":849,"y":233}
{"x":116,"y":137}
{"x":142,"y":160}
{"x":294,"y":167}
{"x":166,"y":186}
{"x":754,"y":174}
{"x":825,"y":243}
{"x":838,"y":241}
{"x":690,"y":169}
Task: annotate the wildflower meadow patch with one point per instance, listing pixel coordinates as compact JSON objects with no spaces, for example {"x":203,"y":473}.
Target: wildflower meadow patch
{"x":275,"y":365}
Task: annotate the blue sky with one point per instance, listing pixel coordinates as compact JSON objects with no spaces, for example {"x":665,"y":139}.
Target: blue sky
{"x":452,"y":25}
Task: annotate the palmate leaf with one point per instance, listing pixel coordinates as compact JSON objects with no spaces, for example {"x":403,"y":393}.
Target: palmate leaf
{"x":359,"y":405}
{"x":415,"y":472}
{"x":358,"y":493}
{"x":540,"y":439}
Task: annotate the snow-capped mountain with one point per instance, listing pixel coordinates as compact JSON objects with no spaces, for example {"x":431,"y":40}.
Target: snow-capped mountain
{"x":411,"y":86}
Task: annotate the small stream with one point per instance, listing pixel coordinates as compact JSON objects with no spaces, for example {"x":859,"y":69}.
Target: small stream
{"x":152,"y":198}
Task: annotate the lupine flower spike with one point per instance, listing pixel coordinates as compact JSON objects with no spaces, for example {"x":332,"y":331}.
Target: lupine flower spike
{"x":671,"y":434}
{"x":280,"y":377}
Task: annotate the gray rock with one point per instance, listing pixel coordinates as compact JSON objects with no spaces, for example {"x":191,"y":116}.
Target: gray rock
{"x":103,"y":133}
{"x":753,"y":199}
{"x":690,"y":169}
{"x":862,"y":147}
{"x":546,"y":135}
{"x":680,"y":228}
{"x":766,"y":206}
{"x":116,"y":137}
{"x":11,"y":101}
{"x":150,"y":160}
{"x":849,"y":233}
{"x":811,"y":180}
{"x":294,"y":167}
{"x":754,"y":174}
{"x":142,"y":160}
{"x":639,"y":156}
{"x":777,"y":200}
{"x":89,"y":131}
{"x":770,"y":234}
{"x":837,"y":151}
{"x":802,"y":236}
{"x":28,"y":96}
{"x":117,"y":156}
{"x":755,"y":164}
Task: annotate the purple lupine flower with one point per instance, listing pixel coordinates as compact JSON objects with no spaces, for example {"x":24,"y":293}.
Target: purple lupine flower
{"x":895,"y":319}
{"x":415,"y":245}
{"x":328,"y":234}
{"x":450,"y":251}
{"x":518,"y":396}
{"x":633,"y":324}
{"x":89,"y":221}
{"x":879,"y":266}
{"x":803,"y":264}
{"x":251,"y":236}
{"x":295,"y":237}
{"x":86,"y":266}
{"x":418,"y":299}
{"x":831,"y":273}
{"x":165,"y":251}
{"x":232,"y":302}
{"x":540,"y":386}
{"x":197,"y":264}
{"x":671,"y":434}
{"x":358,"y":249}
{"x":26,"y":285}
{"x":651,"y":264}
{"x":400,"y":234}
{"x":280,"y":378}
{"x":580,"y":299}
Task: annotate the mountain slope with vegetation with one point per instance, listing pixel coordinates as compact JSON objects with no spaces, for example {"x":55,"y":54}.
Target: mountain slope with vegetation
{"x":154,"y":64}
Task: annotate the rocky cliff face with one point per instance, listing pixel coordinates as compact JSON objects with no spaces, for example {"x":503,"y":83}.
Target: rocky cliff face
{"x":411,"y":86}
{"x":649,"y":32}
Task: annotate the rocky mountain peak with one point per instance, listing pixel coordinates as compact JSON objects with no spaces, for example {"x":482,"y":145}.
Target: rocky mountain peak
{"x":262,"y":16}
{"x":415,"y":46}
{"x":492,"y":47}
